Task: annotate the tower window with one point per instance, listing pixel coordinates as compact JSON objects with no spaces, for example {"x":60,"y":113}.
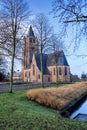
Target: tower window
{"x":30,"y":39}
{"x":32,"y":48}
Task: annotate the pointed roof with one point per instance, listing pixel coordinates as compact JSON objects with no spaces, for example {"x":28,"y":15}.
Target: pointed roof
{"x":45,"y":56}
{"x":31,"y":33}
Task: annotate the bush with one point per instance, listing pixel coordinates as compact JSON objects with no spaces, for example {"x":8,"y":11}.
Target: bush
{"x":2,"y":76}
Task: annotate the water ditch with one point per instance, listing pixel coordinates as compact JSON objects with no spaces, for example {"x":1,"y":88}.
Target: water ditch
{"x":76,"y":110}
{"x":81,"y":112}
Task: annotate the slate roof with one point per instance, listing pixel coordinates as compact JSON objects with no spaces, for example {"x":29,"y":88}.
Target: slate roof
{"x":49,"y":60}
{"x":58,"y":57}
{"x":44,"y":61}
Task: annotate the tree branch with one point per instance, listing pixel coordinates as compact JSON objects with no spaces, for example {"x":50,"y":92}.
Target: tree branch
{"x":70,"y":21}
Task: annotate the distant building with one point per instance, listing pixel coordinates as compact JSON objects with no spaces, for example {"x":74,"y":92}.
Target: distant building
{"x":74,"y":78}
{"x":31,"y":67}
{"x":17,"y":76}
{"x":84,"y":76}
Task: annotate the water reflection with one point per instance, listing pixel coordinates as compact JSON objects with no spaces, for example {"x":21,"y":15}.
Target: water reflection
{"x":82,"y":109}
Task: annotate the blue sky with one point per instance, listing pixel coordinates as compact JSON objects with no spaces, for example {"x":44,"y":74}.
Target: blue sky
{"x":38,"y":6}
{"x":77,"y":64}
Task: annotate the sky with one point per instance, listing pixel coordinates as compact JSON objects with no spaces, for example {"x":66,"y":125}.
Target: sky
{"x":78,"y":65}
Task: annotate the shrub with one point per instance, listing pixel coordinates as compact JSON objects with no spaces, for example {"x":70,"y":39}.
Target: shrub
{"x":2,"y":76}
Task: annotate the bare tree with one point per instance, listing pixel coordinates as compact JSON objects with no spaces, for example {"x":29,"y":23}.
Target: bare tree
{"x":12,"y":14}
{"x":3,"y":65}
{"x":72,"y":13}
{"x":44,"y":32}
{"x":57,"y":47}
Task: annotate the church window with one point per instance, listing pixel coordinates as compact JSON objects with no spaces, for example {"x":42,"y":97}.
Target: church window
{"x":39,"y":76}
{"x":25,"y":74}
{"x":54,"y":72}
{"x":33,"y":40}
{"x":48,"y":79}
{"x":29,"y":74}
{"x":33,"y":69}
{"x":60,"y":71}
{"x":65,"y":71}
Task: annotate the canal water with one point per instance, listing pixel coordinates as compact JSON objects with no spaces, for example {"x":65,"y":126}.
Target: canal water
{"x":81,"y":110}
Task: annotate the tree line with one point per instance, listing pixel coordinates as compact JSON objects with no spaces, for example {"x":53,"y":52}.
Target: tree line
{"x":13,"y":15}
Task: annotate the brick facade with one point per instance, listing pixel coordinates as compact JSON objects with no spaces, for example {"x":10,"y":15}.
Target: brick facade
{"x":34,"y":75}
{"x":30,"y":70}
{"x":62,"y":77}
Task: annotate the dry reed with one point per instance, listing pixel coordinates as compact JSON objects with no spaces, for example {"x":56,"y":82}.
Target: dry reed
{"x":57,"y":98}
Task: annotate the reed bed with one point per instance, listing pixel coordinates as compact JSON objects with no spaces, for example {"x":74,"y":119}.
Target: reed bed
{"x":57,"y":98}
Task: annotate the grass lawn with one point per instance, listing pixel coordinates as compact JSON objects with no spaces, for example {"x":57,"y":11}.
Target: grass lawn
{"x":18,"y":113}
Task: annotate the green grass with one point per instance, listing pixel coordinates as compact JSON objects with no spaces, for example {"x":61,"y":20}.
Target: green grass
{"x":18,"y":113}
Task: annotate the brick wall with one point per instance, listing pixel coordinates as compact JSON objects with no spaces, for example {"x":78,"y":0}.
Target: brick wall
{"x":61,"y":77}
{"x":33,"y":74}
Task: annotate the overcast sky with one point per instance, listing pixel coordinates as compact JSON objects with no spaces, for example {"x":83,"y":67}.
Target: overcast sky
{"x":77,"y":64}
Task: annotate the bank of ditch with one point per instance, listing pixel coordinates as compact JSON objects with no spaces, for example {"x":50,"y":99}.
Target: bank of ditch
{"x":68,"y":110}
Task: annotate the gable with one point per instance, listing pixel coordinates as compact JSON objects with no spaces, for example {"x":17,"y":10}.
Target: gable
{"x":57,"y":57}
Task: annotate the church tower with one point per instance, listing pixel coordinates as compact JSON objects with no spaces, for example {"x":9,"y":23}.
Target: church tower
{"x":30,"y":47}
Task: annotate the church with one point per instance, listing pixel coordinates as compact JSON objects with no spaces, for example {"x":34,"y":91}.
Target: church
{"x":31,"y":66}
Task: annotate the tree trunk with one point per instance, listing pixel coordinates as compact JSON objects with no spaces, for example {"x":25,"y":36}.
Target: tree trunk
{"x":41,"y":62}
{"x":12,"y":68}
{"x":56,"y":74}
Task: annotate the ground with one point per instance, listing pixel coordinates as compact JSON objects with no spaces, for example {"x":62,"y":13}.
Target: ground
{"x":18,"y":113}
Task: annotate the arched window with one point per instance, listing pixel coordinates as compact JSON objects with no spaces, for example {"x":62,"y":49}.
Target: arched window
{"x":33,"y":69}
{"x":25,"y":74}
{"x":65,"y":71}
{"x":33,"y":40}
{"x":54,"y":72}
{"x":29,"y":74}
{"x":39,"y":76}
{"x":30,"y":39}
{"x":60,"y":71}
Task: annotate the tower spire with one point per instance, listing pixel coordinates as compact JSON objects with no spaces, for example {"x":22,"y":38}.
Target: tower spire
{"x":31,"y":33}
